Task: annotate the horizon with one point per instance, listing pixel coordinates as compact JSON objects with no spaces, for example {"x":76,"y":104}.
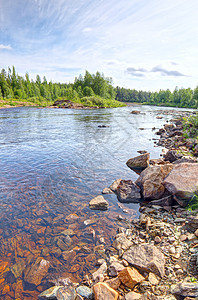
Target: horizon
{"x":142,"y":45}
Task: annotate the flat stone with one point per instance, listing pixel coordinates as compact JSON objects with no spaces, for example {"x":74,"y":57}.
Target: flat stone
{"x":50,"y":293}
{"x":146,"y":257}
{"x":139,"y":162}
{"x":98,"y":203}
{"x":18,"y":268}
{"x":130,"y":277}
{"x":35,"y":273}
{"x":121,"y":242}
{"x":66,"y":293}
{"x":103,"y":292}
{"x":182,"y":181}
{"x":128,"y":192}
{"x":153,"y":279}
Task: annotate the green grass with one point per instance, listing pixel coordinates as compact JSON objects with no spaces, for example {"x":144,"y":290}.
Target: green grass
{"x":193,"y":203}
{"x":190,"y":126}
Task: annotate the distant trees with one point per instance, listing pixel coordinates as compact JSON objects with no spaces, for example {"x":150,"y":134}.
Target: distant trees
{"x":179,"y":97}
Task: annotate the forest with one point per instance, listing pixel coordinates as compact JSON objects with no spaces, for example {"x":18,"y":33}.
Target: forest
{"x":178,"y":98}
{"x":90,"y":90}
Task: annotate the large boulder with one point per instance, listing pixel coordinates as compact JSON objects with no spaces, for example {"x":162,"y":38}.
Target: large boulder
{"x":98,"y":203}
{"x":128,"y":191}
{"x":146,"y":258}
{"x":182,"y":181}
{"x":138,"y":162}
{"x":150,"y":181}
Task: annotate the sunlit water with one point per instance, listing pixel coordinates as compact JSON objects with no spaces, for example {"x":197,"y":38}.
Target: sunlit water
{"x":52,"y":163}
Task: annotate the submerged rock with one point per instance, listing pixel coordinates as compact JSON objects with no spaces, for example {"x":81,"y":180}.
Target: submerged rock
{"x":128,"y":191}
{"x":139,"y":162}
{"x":50,"y":293}
{"x":35,"y":273}
{"x":98,"y":203}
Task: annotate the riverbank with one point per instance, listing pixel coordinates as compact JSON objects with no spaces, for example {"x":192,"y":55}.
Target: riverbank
{"x":156,"y":256}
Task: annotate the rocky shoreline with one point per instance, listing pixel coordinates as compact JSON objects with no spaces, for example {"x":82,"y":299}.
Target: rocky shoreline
{"x":156,"y":256}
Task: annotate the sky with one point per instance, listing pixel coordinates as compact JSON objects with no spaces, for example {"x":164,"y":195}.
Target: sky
{"x":142,"y":44}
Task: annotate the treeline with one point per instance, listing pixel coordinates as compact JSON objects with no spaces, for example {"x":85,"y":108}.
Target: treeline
{"x":179,"y":97}
{"x":14,"y":86}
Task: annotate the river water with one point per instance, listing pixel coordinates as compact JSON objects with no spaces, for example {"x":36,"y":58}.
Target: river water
{"x":52,"y":163}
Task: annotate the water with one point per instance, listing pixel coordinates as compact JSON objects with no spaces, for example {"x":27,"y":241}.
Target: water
{"x":52,"y":163}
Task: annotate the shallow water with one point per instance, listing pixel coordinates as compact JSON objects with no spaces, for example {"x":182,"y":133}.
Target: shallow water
{"x":52,"y":163}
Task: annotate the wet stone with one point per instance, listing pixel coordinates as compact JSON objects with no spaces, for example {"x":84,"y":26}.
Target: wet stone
{"x":85,"y":291}
{"x":66,"y":293}
{"x":49,"y":293}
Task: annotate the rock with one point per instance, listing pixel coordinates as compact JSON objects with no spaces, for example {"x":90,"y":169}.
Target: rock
{"x":49,"y":293}
{"x":185,"y":288}
{"x":182,"y":181}
{"x":130,"y":277}
{"x":133,"y":296}
{"x":196,"y":233}
{"x":121,"y":242}
{"x":85,"y":291}
{"x":147,"y":258}
{"x":103,"y":292}
{"x":150,"y":181}
{"x":35,"y":273}
{"x":114,"y":283}
{"x":98,"y":203}
{"x":139,"y":162}
{"x":128,"y":191}
{"x":157,"y":239}
{"x":101,"y":271}
{"x":115,"y":184}
{"x":66,"y":293}
{"x":18,"y":268}
{"x":135,"y":112}
{"x":172,"y":156}
{"x":114,"y":268}
{"x":166,"y":201}
{"x":64,"y":242}
{"x":107,"y":191}
{"x":152,"y":278}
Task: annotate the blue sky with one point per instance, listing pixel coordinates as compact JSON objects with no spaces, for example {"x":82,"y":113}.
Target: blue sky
{"x":141,"y":44}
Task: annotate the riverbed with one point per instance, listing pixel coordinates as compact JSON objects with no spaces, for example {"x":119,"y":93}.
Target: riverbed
{"x":52,"y":163}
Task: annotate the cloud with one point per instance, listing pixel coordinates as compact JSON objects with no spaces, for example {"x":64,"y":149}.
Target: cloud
{"x":165,"y":72}
{"x":5,"y":47}
{"x":140,"y":72}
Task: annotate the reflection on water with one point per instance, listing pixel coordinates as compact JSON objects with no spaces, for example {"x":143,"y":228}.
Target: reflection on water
{"x":52,"y":163}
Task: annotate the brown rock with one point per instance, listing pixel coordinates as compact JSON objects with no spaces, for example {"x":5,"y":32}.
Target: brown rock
{"x":150,"y":181}
{"x":103,"y":292}
{"x":98,"y":203}
{"x":182,"y":181}
{"x":128,"y":191}
{"x":36,"y":272}
{"x":107,"y":191}
{"x":146,"y":257}
{"x":130,"y":277}
{"x":114,"y":283}
{"x":139,"y":162}
{"x":114,"y":268}
{"x":19,"y":289}
{"x":196,"y":233}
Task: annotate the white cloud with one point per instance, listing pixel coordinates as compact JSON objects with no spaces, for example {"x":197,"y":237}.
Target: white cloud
{"x":5,"y":47}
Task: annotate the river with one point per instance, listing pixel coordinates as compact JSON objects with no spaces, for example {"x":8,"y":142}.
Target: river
{"x":52,"y":163}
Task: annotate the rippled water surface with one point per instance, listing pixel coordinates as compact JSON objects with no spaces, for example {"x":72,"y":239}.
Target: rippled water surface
{"x":52,"y":163}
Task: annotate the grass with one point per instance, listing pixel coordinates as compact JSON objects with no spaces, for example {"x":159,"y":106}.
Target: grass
{"x":193,"y":203}
{"x":190,"y":126}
